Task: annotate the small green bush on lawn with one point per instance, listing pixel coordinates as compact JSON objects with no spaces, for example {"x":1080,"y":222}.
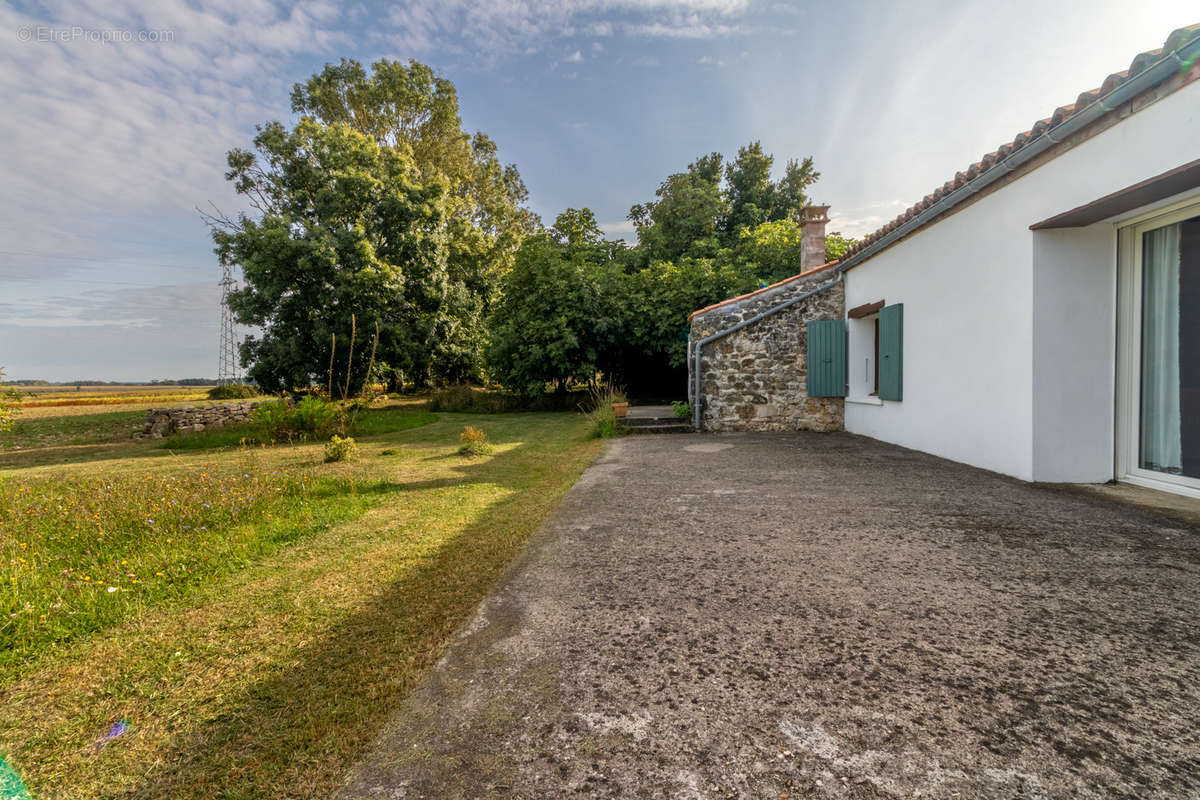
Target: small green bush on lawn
{"x":233,"y":391}
{"x":474,"y":443}
{"x":340,"y":449}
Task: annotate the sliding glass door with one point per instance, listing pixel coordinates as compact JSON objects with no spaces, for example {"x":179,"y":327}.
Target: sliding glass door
{"x":1161,"y":352}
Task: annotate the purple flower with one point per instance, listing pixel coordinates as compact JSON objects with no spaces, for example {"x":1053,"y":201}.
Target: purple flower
{"x":117,"y":729}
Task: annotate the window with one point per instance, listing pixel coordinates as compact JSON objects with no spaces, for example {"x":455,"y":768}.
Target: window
{"x":1159,"y":371}
{"x":875,"y":352}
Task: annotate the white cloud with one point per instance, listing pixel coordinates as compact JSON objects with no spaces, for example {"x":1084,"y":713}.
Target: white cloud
{"x":860,"y":221}
{"x":618,"y":228}
{"x":574,"y":58}
{"x":133,"y":128}
{"x":497,"y":30}
{"x":148,"y":307}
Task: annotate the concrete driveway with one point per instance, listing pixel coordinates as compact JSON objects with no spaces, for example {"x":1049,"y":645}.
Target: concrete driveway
{"x":817,"y":615}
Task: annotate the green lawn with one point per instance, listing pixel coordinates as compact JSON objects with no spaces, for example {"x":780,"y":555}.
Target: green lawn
{"x":31,"y":432}
{"x":277,"y":641}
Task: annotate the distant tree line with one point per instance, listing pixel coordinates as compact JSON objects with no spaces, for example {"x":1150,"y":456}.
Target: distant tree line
{"x":156,"y":382}
{"x":377,"y":206}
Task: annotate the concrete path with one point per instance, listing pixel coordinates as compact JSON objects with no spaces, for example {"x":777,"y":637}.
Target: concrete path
{"x":817,"y":615}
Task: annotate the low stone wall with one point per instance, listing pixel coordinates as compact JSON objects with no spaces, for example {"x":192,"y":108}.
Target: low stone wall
{"x":162,"y":422}
{"x":757,"y":378}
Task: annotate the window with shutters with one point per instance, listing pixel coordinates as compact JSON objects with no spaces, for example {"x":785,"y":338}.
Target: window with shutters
{"x":874,"y":351}
{"x":891,"y":352}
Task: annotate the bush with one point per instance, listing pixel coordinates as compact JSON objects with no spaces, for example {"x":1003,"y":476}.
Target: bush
{"x":604,"y":422}
{"x":312,"y":416}
{"x":682,"y":409}
{"x":340,"y":449}
{"x":464,"y":398}
{"x":453,"y":398}
{"x":233,"y":391}
{"x":601,"y":415}
{"x":8,"y":412}
{"x":474,"y":443}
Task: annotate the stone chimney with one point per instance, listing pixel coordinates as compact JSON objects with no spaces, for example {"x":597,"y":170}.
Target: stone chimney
{"x":813,"y":220}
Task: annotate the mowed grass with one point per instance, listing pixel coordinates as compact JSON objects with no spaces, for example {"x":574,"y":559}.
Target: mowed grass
{"x":51,"y":430}
{"x":79,"y":554}
{"x":268,"y":674}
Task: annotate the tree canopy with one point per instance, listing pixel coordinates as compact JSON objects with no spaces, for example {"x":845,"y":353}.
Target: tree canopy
{"x":561,"y":317}
{"x":377,"y":211}
{"x":376,"y":203}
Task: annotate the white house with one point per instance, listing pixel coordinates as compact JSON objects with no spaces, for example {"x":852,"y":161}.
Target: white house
{"x":1039,"y":315}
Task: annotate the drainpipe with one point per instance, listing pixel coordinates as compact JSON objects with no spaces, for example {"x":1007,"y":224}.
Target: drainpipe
{"x":697,"y":402}
{"x":1156,"y":73}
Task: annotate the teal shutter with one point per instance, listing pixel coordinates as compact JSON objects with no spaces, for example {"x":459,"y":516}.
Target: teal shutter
{"x":891,"y":352}
{"x":826,"y":358}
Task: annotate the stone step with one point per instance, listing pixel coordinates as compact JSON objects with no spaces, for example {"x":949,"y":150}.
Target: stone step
{"x":633,"y":422}
{"x":663,"y":426}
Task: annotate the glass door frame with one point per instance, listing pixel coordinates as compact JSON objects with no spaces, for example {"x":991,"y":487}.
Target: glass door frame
{"x":1129,"y":350}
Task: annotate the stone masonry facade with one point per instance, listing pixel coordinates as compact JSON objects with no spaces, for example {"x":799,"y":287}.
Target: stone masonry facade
{"x":756,"y":379}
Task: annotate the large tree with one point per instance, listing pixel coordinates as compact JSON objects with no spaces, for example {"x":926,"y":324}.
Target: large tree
{"x":348,"y":228}
{"x":754,"y":198}
{"x":467,"y":208}
{"x":686,"y":217}
{"x":706,"y":209}
{"x":561,"y":316}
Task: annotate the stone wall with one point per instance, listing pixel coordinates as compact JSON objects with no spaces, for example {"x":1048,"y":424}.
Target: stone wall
{"x":162,"y":422}
{"x":756,"y":379}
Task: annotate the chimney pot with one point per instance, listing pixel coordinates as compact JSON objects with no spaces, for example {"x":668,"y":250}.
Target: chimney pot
{"x":813,"y":220}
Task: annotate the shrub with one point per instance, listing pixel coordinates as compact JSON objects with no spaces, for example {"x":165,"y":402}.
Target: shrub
{"x":474,"y":442}
{"x":233,"y":391}
{"x":340,"y":449}
{"x":7,"y":411}
{"x":601,"y":415}
{"x":604,"y":422}
{"x":477,"y":401}
{"x":312,"y":416}
{"x":274,"y":415}
{"x":682,"y":409}
{"x":453,"y":398}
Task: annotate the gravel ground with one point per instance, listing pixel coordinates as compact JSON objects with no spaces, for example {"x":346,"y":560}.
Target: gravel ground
{"x":817,"y":615}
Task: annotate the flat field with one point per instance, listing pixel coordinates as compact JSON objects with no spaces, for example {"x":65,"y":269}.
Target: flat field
{"x":230,"y":621}
{"x":51,"y":396}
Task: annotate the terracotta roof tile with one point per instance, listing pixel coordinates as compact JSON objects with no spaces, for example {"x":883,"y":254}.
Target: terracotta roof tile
{"x":1140,"y":62}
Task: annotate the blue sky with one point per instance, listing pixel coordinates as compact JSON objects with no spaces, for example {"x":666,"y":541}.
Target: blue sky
{"x":117,"y":115}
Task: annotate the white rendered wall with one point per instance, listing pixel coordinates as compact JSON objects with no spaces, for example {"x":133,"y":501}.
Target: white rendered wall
{"x":972,"y":381}
{"x":1074,"y":353}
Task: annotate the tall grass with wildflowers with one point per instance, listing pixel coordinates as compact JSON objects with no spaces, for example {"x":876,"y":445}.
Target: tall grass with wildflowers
{"x":80,"y":554}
